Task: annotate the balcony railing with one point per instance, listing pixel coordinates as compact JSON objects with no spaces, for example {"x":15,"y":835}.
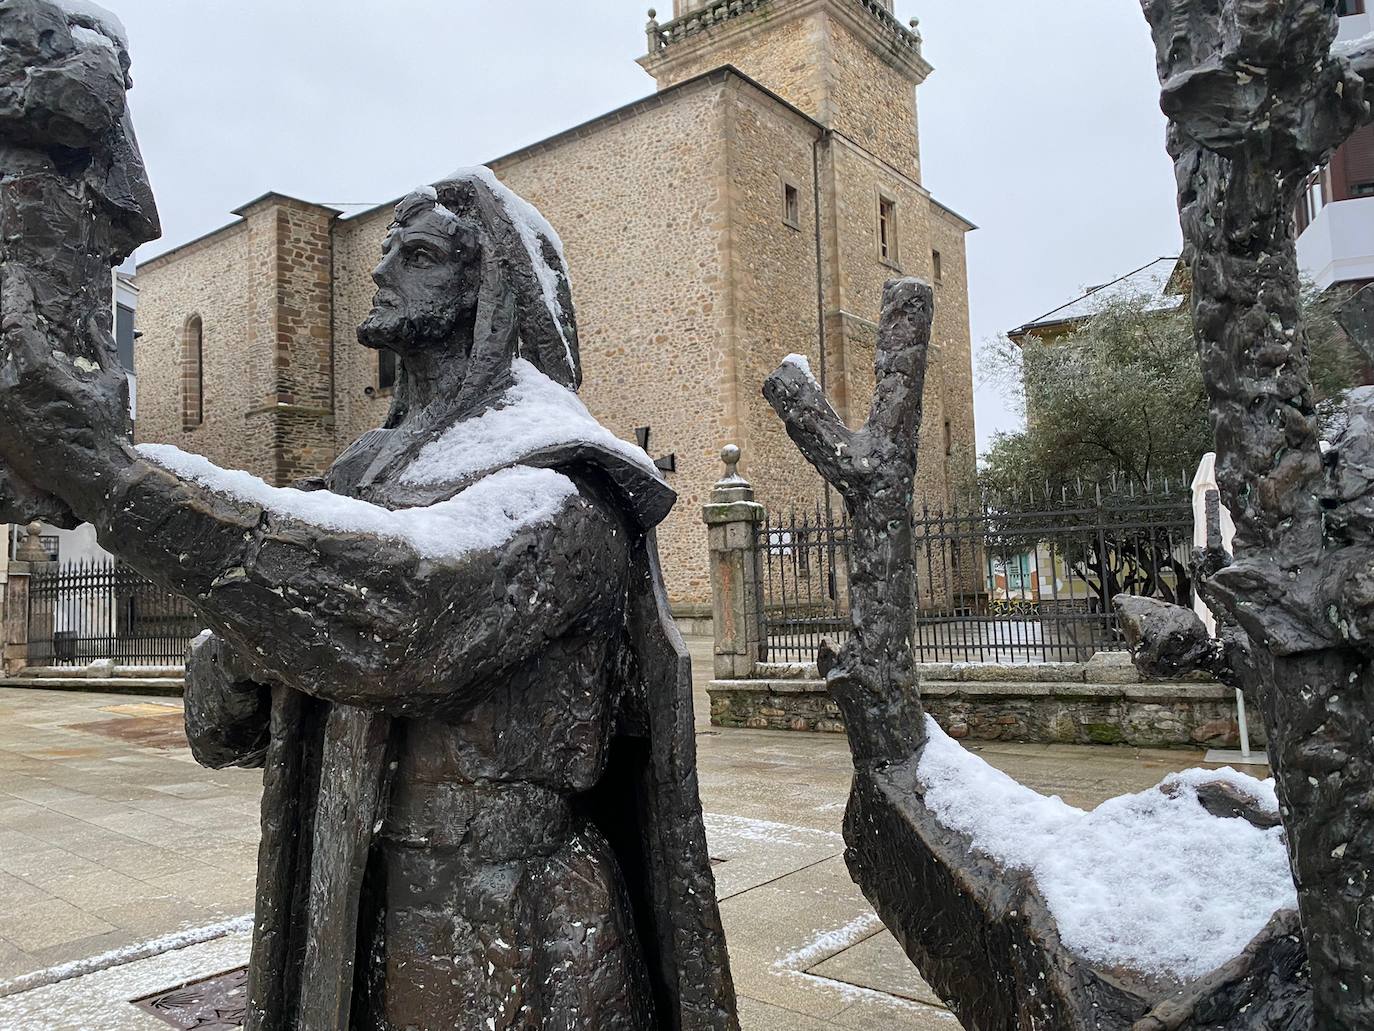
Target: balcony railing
{"x":667,"y":35}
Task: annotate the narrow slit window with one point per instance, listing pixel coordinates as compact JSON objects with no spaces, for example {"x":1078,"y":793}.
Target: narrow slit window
{"x":386,"y":369}
{"x":193,"y":374}
{"x":791,"y":205}
{"x":937,"y":266}
{"x":887,"y":230}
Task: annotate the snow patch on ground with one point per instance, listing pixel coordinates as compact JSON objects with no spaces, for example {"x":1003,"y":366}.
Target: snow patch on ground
{"x":733,"y":830}
{"x":831,"y":943}
{"x":796,"y":965}
{"x":531,"y":225}
{"x":1147,"y":881}
{"x":484,"y":516}
{"x":100,"y":1001}
{"x":116,"y":957}
{"x":535,"y":414}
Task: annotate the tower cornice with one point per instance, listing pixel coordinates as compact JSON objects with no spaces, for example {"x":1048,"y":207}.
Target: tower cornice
{"x":717,"y":23}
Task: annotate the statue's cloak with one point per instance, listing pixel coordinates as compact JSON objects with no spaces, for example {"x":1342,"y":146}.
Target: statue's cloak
{"x":325,"y":782}
{"x":325,"y":789}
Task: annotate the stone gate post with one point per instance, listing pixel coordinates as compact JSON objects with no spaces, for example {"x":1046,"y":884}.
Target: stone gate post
{"x":731,"y":517}
{"x":14,"y":614}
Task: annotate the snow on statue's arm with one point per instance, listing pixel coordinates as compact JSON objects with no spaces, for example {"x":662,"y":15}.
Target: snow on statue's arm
{"x":355,"y":603}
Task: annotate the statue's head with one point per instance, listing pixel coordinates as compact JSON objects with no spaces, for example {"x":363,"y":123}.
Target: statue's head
{"x":64,"y":69}
{"x":473,"y":274}
{"x":428,"y":281}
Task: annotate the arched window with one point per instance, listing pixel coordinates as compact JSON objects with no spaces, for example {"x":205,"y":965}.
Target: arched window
{"x":192,"y":374}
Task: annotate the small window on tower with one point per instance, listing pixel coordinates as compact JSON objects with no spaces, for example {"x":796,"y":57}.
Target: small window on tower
{"x":887,"y":230}
{"x":937,"y":266}
{"x":949,"y":439}
{"x":386,"y":369}
{"x":791,"y":205}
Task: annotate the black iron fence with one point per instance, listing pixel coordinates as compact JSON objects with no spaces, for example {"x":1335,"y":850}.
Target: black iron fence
{"x":1019,"y":580}
{"x":104,"y":610}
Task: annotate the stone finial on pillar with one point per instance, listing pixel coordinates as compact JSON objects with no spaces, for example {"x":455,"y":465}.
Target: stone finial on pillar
{"x":31,"y":549}
{"x":732,"y":518}
{"x":652,"y":31}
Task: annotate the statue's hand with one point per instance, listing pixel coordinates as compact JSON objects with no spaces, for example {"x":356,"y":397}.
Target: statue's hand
{"x":64,"y":408}
{"x":23,"y":504}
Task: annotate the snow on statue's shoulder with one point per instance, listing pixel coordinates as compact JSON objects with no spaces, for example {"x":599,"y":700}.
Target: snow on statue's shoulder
{"x":1151,"y":882}
{"x":535,"y":414}
{"x":484,"y":516}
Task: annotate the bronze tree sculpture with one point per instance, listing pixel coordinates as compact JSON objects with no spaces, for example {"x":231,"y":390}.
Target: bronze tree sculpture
{"x":1257,"y":98}
{"x":451,"y":655}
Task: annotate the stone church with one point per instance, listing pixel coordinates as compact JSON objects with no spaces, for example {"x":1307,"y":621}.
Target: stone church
{"x":752,"y":207}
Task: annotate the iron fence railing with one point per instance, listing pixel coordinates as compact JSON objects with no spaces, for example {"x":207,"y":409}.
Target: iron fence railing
{"x":1022,"y":581}
{"x":91,"y":610}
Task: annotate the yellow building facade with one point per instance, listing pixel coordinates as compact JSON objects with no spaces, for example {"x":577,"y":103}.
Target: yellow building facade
{"x":752,"y":207}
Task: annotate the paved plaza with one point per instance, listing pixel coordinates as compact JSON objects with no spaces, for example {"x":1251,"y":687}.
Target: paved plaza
{"x":127,"y":870}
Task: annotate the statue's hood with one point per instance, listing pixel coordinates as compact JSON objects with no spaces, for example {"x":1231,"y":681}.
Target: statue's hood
{"x":539,"y":422}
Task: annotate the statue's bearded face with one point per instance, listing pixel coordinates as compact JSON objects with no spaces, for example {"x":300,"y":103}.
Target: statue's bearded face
{"x":427,"y":283}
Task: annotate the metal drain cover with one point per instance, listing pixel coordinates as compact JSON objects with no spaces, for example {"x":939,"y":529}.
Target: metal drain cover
{"x":218,"y":1003}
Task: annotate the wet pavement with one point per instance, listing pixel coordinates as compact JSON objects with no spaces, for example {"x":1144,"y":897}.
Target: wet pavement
{"x":123,"y":861}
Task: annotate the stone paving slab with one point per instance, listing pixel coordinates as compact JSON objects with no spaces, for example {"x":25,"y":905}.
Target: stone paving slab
{"x":111,"y":836}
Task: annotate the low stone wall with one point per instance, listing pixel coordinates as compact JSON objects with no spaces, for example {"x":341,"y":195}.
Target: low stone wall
{"x":1102,"y":702}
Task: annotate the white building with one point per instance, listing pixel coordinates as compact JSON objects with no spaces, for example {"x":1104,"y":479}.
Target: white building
{"x":1336,"y":216}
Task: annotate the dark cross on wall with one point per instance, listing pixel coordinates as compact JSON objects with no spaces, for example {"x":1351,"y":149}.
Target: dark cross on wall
{"x":668,"y":463}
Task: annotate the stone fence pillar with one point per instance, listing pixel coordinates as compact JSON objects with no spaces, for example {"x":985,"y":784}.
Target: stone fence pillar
{"x":731,"y":517}
{"x":14,"y":615}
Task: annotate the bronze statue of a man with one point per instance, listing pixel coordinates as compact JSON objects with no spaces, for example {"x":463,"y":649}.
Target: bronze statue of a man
{"x":451,"y":655}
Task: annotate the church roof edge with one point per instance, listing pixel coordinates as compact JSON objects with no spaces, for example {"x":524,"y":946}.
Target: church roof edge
{"x":657,"y":99}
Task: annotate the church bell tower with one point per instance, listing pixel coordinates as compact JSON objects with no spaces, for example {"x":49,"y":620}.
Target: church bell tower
{"x":849,"y":64}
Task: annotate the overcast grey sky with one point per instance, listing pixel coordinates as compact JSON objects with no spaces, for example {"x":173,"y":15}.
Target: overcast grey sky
{"x":1041,"y":122}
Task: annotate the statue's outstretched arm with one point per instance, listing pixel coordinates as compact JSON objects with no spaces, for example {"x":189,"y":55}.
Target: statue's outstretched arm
{"x":332,"y":595}
{"x":353,"y":603}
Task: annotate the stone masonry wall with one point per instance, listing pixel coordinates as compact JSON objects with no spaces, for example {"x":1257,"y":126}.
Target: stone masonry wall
{"x":774,"y":47}
{"x":299,"y":405}
{"x":773,"y":278}
{"x":210,"y":279}
{"x":854,"y":297}
{"x":641,"y":206}
{"x":689,"y":285}
{"x":359,"y":404}
{"x":1102,"y":703}
{"x":950,"y":378}
{"x":819,"y":57}
{"x":871,"y":102}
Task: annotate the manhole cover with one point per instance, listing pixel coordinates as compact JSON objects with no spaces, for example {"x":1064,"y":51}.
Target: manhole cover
{"x":218,"y":1003}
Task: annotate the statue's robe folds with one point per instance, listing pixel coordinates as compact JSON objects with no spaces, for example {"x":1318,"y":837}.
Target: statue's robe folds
{"x":404,"y":879}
